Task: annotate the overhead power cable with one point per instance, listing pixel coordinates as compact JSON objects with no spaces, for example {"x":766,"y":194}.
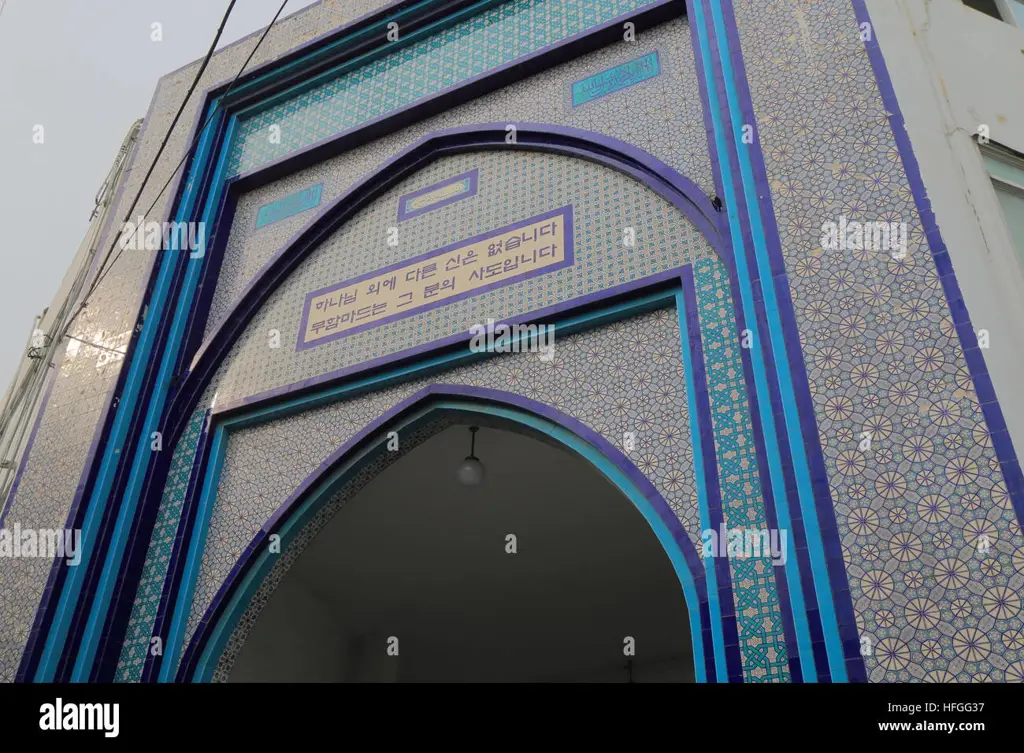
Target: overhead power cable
{"x":60,"y":324}
{"x":100,"y":273}
{"x":200,"y":132}
{"x":202,"y":129}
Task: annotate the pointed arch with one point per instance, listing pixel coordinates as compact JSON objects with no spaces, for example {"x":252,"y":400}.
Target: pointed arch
{"x":667,"y":182}
{"x":252,"y":567}
{"x":672,"y":186}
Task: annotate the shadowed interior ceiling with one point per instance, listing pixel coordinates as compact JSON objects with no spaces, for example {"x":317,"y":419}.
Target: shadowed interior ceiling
{"x":417,"y":556}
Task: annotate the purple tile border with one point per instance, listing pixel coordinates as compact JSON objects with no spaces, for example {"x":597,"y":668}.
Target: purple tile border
{"x":695,"y":204}
{"x":799,"y":531}
{"x":564,"y":212}
{"x":203,"y":455}
{"x":683,"y":193}
{"x":715,"y":78}
{"x":474,"y":179}
{"x":248,"y":558}
{"x":637,"y":163}
{"x":664,"y":180}
{"x":670,"y":184}
{"x":998,"y":430}
{"x":762,"y":191}
{"x":782,"y":588}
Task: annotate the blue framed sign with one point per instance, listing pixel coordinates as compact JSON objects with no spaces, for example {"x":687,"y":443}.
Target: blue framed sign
{"x":616,"y":79}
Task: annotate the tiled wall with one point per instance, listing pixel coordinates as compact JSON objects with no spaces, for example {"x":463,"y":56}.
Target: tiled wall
{"x":755,"y":594}
{"x":482,"y":43}
{"x":624,"y":378}
{"x":600,"y":377}
{"x":64,"y":440}
{"x":933,"y":550}
{"x":513,"y":186}
{"x":86,"y":375}
{"x":594,"y":366}
{"x":662,"y":116}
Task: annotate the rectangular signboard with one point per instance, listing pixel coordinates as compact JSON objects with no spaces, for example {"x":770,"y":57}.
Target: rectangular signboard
{"x":438,"y":195}
{"x":289,"y":206}
{"x":615,"y":79}
{"x":534,"y":246}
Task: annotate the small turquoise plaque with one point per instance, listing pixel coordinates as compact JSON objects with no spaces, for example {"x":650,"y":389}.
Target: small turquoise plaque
{"x":615,"y":79}
{"x":289,"y":206}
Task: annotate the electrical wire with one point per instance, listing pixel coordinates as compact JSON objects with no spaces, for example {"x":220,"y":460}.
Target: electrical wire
{"x":152,"y":166}
{"x":25,"y":392}
{"x":188,"y":152}
{"x":33,"y":381}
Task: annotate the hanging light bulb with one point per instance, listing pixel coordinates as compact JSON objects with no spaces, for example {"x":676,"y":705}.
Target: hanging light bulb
{"x":471,"y":470}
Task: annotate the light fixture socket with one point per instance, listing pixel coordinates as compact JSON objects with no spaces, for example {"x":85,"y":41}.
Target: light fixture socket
{"x":471,"y":471}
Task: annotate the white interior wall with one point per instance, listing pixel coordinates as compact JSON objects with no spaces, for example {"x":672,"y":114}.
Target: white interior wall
{"x":302,"y":641}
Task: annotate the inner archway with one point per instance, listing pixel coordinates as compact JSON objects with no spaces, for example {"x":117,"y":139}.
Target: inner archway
{"x":419,"y":557}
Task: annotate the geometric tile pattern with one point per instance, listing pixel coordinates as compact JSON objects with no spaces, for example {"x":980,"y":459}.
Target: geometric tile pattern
{"x":623,"y":377}
{"x":933,"y":551}
{"x":154,"y":571}
{"x":486,"y":41}
{"x":47,"y":486}
{"x":673,"y":132}
{"x":512,"y":186}
{"x":934,"y":554}
{"x":758,"y":611}
{"x":83,"y":380}
{"x":663,"y":116}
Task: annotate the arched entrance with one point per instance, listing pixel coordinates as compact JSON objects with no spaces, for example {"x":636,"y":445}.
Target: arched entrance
{"x":544,"y":572}
{"x":221,"y":518}
{"x":586,"y":542}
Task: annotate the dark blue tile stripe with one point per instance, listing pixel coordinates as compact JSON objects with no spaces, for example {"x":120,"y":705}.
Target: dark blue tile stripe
{"x":792,"y":648}
{"x":805,"y":407}
{"x":762,"y":337}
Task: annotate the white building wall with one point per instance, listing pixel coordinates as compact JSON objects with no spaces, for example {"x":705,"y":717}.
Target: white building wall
{"x":21,"y":403}
{"x":954,"y":70}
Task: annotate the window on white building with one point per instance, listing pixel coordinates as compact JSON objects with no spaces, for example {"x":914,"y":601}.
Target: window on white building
{"x":1011,"y":11}
{"x":1007,"y":173}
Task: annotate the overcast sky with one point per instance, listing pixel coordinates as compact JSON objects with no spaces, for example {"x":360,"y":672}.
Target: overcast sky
{"x":84,"y":70}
